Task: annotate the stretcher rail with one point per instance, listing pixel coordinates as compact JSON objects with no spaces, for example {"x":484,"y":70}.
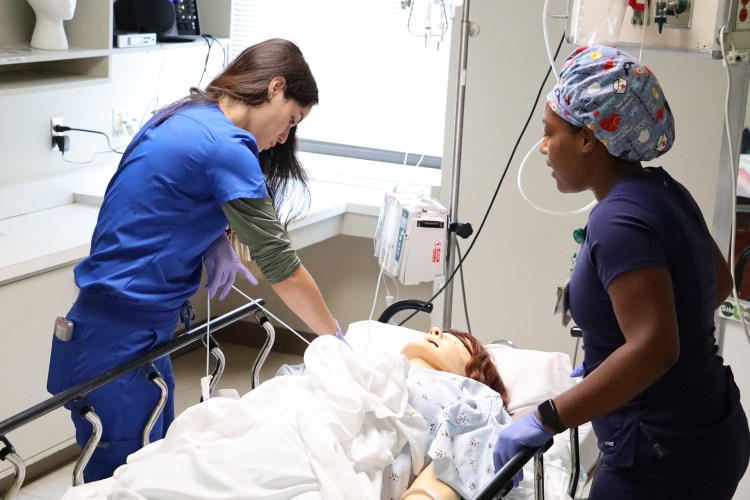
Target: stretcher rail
{"x":79,"y":391}
{"x":502,"y":482}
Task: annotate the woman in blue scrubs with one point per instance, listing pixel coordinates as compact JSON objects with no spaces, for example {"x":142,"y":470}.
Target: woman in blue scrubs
{"x":225,"y":155}
{"x":644,"y":290}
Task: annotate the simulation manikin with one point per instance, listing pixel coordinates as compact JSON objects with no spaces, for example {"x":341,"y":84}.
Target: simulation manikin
{"x":49,"y":33}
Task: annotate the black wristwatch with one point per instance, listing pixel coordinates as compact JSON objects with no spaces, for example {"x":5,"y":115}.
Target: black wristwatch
{"x":549,"y":417}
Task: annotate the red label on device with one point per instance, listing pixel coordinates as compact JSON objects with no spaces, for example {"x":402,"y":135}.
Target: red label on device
{"x":436,"y":251}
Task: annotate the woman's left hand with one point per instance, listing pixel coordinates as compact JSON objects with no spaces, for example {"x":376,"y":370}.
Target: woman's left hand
{"x":222,"y":266}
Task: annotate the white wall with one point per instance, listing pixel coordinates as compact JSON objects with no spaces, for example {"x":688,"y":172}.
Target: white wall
{"x":138,"y":78}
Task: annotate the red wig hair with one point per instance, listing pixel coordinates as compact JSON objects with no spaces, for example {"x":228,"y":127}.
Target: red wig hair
{"x":480,"y":366}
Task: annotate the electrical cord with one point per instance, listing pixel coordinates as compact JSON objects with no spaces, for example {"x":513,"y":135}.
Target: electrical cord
{"x":155,"y":99}
{"x":210,"y":40}
{"x":63,"y":128}
{"x":84,"y":162}
{"x":497,"y":189}
{"x":463,"y":291}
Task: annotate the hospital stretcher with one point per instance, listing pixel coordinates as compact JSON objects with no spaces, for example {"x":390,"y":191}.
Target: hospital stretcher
{"x":77,"y":394}
{"x":499,"y":486}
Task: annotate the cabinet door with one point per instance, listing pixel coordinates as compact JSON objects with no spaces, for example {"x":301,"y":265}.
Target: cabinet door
{"x":29,"y":308}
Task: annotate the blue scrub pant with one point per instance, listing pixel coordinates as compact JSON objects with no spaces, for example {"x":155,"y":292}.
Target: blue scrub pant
{"x":107,"y":333}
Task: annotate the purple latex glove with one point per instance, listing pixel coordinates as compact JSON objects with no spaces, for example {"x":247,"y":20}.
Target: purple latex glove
{"x":222,"y":266}
{"x":527,"y":432}
{"x":340,"y":335}
{"x":578,"y":371}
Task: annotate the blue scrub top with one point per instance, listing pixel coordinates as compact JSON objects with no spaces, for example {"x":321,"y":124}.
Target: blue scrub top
{"x":163,"y":207}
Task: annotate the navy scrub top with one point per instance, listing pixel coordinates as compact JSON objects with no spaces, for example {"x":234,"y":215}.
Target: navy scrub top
{"x":650,"y":220}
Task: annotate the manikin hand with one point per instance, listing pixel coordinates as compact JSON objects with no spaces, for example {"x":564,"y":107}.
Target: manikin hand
{"x":525,"y":432}
{"x":222,"y":266}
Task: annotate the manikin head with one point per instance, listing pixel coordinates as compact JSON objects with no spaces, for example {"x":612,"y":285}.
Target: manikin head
{"x":456,"y":352}
{"x":49,"y":33}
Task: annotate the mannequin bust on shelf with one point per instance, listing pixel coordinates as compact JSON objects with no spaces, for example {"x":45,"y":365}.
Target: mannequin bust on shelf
{"x":49,"y":33}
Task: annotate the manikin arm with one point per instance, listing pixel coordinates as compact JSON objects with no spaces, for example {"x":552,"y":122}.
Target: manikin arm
{"x":427,"y":480}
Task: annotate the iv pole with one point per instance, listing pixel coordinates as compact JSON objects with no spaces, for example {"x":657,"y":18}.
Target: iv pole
{"x":466,"y":30}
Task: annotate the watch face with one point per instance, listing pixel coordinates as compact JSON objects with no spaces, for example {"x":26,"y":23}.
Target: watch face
{"x":548,"y":416}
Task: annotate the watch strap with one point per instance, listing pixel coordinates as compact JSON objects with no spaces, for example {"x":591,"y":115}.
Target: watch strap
{"x":549,"y":417}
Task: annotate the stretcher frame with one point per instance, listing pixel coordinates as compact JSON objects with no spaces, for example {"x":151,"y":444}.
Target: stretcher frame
{"x":498,"y":487}
{"x":79,"y":391}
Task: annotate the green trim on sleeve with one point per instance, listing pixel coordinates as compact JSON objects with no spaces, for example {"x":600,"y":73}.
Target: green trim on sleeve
{"x":258,"y":228}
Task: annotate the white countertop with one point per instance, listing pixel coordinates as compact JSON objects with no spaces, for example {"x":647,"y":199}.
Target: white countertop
{"x":42,"y":240}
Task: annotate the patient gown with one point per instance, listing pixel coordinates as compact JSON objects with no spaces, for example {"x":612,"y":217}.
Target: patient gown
{"x":464,"y":418}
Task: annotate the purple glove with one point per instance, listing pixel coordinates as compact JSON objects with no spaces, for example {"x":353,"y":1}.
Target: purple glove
{"x":578,"y":371}
{"x":340,"y":335}
{"x":222,"y":266}
{"x":525,"y":432}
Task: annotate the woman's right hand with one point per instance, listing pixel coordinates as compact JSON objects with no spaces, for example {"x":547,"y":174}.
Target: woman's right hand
{"x":222,"y":266}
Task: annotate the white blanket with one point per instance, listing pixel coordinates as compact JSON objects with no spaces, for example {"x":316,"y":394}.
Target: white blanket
{"x":326,"y":434}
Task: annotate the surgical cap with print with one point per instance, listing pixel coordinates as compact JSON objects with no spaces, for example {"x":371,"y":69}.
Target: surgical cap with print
{"x":618,"y":98}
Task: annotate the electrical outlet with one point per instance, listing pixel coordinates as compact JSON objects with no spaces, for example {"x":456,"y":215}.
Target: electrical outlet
{"x":124,"y":122}
{"x":52,"y":122}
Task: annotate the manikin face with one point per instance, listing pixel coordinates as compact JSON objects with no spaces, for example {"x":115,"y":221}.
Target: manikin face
{"x":443,"y":351}
{"x":562,"y":146}
{"x":54,"y":9}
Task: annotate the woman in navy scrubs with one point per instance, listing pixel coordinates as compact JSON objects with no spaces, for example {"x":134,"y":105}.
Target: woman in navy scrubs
{"x":222,"y":156}
{"x":644,"y":290}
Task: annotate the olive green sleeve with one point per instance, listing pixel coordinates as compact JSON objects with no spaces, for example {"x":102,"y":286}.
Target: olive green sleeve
{"x":258,"y":228}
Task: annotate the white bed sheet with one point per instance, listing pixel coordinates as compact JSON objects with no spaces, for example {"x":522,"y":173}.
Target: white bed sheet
{"x":199,"y":459}
{"x":329,"y":433}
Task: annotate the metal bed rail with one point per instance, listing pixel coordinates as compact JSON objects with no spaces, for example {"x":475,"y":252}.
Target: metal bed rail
{"x":79,"y":391}
{"x":501,"y":484}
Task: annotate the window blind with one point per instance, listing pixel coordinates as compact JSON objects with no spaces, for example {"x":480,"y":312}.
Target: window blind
{"x":381,"y":69}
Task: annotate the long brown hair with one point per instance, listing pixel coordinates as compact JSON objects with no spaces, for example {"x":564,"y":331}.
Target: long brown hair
{"x":480,"y":366}
{"x":246,"y":79}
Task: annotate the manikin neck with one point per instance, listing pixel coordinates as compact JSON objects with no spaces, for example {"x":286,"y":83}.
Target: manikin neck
{"x":49,"y":34}
{"x":421,"y":363}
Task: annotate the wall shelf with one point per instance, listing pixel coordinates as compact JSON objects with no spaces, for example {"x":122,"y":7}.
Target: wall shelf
{"x":86,"y":61}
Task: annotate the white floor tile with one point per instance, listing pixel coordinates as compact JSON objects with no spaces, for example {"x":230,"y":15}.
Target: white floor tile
{"x":50,"y":487}
{"x":188,"y":370}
